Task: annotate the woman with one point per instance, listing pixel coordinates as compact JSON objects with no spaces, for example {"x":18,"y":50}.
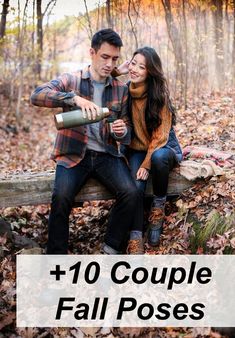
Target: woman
{"x":154,"y":146}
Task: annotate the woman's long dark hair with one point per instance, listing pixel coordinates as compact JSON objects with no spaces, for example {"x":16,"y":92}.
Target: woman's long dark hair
{"x":158,"y":93}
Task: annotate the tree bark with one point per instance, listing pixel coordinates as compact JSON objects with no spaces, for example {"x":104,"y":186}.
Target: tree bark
{"x":175,"y":41}
{"x":22,"y":32}
{"x":33,"y":189}
{"x":39,"y":39}
{"x":90,"y":33}
{"x":233,"y":52}
{"x":185,"y":55}
{"x":217,"y":12}
{"x":109,"y":14}
{"x":132,"y":25}
{"x":5,"y":7}
{"x":173,"y":31}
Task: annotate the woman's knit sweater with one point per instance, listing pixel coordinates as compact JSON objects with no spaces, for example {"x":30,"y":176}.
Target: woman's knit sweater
{"x":142,"y":140}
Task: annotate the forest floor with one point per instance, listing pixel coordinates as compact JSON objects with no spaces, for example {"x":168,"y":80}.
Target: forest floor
{"x":200,"y":221}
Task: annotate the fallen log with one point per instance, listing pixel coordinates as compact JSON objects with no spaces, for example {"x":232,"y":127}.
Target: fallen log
{"x":36,"y":188}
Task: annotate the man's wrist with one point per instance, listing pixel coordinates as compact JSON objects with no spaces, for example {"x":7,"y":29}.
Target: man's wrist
{"x":70,"y":101}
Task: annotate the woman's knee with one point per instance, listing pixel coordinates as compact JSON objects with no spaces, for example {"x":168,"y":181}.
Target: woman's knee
{"x":161,"y":158}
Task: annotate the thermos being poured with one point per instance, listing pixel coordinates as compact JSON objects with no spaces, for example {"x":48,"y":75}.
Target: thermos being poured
{"x":75,"y":118}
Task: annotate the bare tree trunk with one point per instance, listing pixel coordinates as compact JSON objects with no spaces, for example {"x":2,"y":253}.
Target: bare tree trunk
{"x":175,"y":41}
{"x":185,"y":56}
{"x":33,"y":33}
{"x":199,"y":63}
{"x":109,"y":13}
{"x":102,"y":18}
{"x":39,"y":39}
{"x":227,"y":38}
{"x":3,"y":51}
{"x":205,"y":55}
{"x":34,"y":56}
{"x":40,"y":17}
{"x":132,"y":25}
{"x":120,"y":19}
{"x":5,"y":7}
{"x":218,"y":37}
{"x":90,"y":33}
{"x":54,"y":48}
{"x":21,"y":61}
{"x":98,"y":17}
{"x":233,"y":52}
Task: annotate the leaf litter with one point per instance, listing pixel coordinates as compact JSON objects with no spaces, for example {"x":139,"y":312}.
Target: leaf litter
{"x":200,"y":221}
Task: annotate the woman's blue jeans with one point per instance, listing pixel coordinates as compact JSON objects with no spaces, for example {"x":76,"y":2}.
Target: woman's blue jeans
{"x":126,"y":214}
{"x":162,"y":162}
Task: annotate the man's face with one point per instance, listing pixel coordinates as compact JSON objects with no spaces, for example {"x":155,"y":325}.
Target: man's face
{"x":104,"y":60}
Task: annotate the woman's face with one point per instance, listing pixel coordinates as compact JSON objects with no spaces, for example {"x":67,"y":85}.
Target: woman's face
{"x":137,"y":69}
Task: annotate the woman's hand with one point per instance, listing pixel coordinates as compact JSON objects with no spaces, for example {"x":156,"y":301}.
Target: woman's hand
{"x":142,"y":174}
{"x":119,"y":127}
{"x":124,"y":68}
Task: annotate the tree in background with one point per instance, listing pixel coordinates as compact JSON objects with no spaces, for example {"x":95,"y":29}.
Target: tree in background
{"x":39,"y":39}
{"x":109,"y":14}
{"x":217,"y":12}
{"x":176,"y":42}
{"x":194,"y":38}
{"x":40,"y":16}
{"x":233,"y":50}
{"x":5,"y":7}
{"x":21,"y":59}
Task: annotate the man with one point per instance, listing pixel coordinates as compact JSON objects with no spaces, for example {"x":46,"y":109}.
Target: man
{"x":91,"y":150}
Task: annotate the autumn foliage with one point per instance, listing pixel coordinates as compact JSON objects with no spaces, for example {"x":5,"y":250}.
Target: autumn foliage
{"x":195,"y":40}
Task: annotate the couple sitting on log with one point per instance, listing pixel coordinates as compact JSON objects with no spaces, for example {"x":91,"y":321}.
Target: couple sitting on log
{"x":142,"y":129}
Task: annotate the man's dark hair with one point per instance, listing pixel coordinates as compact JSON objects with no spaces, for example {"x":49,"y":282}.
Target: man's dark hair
{"x":105,"y":35}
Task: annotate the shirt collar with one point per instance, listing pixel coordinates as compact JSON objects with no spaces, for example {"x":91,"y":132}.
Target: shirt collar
{"x":87,"y":75}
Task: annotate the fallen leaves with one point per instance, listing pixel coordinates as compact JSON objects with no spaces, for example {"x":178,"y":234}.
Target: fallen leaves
{"x":7,"y":320}
{"x":207,"y":121}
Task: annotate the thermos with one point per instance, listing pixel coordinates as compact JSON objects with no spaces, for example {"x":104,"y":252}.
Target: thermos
{"x":75,"y":118}
{"x":110,"y":121}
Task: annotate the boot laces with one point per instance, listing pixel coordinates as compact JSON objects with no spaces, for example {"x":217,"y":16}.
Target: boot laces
{"x":135,"y":246}
{"x":156,"y":214}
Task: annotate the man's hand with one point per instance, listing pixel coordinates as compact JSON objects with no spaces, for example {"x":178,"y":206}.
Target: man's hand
{"x":89,"y":109}
{"x":119,"y":128}
{"x":142,"y":174}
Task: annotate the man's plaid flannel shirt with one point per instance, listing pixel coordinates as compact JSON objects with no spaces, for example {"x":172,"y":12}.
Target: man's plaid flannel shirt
{"x":70,"y":144}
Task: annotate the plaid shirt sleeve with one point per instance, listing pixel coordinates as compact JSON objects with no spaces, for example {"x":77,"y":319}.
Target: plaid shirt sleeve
{"x":54,"y":93}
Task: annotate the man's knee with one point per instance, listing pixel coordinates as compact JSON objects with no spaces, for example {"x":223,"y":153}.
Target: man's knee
{"x":62,"y":198}
{"x":132,"y":195}
{"x":141,"y":185}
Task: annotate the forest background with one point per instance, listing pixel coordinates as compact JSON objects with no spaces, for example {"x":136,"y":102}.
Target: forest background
{"x":195,"y":40}
{"x":40,"y":39}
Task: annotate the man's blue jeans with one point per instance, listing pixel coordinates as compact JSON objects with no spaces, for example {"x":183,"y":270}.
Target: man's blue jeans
{"x":126,"y":214}
{"x":162,"y":162}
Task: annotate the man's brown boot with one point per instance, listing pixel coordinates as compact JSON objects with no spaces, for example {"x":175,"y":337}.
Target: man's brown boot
{"x":135,"y":247}
{"x":155,"y":226}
